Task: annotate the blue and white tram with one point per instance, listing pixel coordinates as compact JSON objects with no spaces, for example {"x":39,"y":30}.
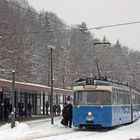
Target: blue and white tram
{"x":104,"y":103}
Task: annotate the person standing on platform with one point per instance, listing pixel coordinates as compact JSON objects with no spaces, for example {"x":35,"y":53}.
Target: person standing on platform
{"x":54,"y":109}
{"x":20,"y":108}
{"x":64,"y":120}
{"x":58,"y":110}
{"x":47,"y":107}
{"x":67,"y":114}
{"x":6,"y":109}
{"x":29,"y":108}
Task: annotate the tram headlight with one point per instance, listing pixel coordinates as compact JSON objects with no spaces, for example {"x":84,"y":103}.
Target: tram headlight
{"x":89,"y":114}
{"x":78,"y":106}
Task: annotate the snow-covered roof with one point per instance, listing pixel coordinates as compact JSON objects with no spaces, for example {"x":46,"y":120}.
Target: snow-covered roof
{"x":32,"y":87}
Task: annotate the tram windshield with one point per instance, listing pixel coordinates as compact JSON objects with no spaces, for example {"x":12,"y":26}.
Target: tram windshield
{"x":92,"y":98}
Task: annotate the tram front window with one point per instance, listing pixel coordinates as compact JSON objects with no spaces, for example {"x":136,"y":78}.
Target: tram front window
{"x":93,"y":98}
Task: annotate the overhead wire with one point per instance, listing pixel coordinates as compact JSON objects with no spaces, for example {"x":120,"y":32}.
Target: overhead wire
{"x":81,"y":29}
{"x":113,"y":25}
{"x":94,"y":28}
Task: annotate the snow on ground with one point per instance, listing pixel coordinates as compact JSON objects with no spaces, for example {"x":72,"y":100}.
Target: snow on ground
{"x":32,"y":129}
{"x":121,"y":133}
{"x":44,"y":130}
{"x":6,"y":133}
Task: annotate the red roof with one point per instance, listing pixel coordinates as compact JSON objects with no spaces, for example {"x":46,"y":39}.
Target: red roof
{"x":32,"y":87}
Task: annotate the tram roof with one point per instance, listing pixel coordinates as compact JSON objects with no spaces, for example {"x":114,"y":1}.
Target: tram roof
{"x":91,"y":81}
{"x":105,"y":82}
{"x":30,"y":86}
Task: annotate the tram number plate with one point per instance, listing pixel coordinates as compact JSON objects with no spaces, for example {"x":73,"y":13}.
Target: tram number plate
{"x":89,"y":118}
{"x":90,"y":81}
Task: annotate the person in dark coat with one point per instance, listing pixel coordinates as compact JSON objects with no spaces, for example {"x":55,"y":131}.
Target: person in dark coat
{"x":58,"y":110}
{"x":6,"y":109}
{"x":20,"y":108}
{"x":54,"y":110}
{"x":1,"y":109}
{"x":29,"y":108}
{"x":64,"y":121}
{"x":67,"y":114}
{"x":47,"y":107}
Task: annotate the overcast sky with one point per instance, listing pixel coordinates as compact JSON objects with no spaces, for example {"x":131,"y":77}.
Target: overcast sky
{"x":99,"y":13}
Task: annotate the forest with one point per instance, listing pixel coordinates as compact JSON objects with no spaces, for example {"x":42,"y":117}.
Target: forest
{"x":25,"y":35}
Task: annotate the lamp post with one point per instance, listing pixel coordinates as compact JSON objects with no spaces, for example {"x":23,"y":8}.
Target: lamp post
{"x":13,"y":100}
{"x":51,"y":70}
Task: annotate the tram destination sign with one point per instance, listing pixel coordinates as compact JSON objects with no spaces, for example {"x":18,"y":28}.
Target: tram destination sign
{"x":90,"y":87}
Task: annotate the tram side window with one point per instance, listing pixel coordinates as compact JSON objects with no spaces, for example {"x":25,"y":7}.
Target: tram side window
{"x":126,"y":99}
{"x":135,"y":99}
{"x":106,"y":98}
{"x":123,"y":98}
{"x":120,"y":98}
{"x":138,"y":100}
{"x":114,"y":97}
